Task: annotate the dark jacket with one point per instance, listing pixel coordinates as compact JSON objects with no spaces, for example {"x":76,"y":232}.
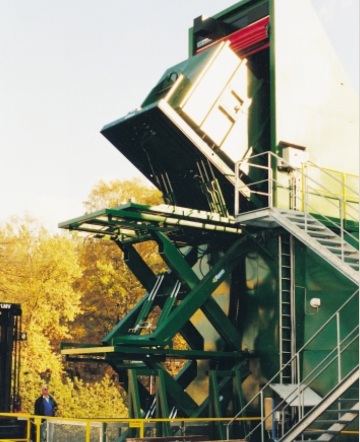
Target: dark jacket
{"x":39,"y":406}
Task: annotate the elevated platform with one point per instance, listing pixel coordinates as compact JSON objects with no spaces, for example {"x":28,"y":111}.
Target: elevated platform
{"x":133,"y":222}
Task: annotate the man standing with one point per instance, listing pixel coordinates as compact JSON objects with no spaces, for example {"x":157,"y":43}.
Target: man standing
{"x":45,"y":405}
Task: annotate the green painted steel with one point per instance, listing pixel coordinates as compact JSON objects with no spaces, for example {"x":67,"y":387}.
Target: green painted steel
{"x":243,"y":291}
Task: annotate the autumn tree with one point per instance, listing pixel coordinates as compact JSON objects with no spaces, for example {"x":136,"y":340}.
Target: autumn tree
{"x":40,"y":271}
{"x":72,"y":288}
{"x":111,"y":290}
{"x":116,"y":192}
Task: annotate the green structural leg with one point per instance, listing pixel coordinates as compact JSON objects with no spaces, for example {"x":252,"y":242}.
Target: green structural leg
{"x":134,"y":396}
{"x":194,"y":300}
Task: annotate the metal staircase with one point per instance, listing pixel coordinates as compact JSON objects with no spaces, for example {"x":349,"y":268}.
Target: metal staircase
{"x":314,"y":234}
{"x":317,"y":217}
{"x":329,"y":418}
{"x":321,"y":240}
{"x":309,"y":210}
{"x":343,"y":414}
{"x":336,"y":410}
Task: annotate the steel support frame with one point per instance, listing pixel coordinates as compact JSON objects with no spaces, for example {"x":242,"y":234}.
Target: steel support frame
{"x":153,"y":347}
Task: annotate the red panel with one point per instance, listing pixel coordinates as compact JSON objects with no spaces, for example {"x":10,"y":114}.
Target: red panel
{"x":248,"y":40}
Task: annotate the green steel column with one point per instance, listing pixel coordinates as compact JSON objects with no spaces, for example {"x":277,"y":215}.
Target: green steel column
{"x":201,"y":292}
{"x":137,"y":265}
{"x":162,"y":402}
{"x":134,"y":396}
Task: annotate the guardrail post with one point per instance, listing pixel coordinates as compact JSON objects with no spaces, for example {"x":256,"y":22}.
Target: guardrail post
{"x":87,"y":431}
{"x":342,"y":228}
{"x":343,"y":195}
{"x":298,"y":383}
{"x":37,"y":423}
{"x":236,"y":193}
{"x":228,"y":431}
{"x":103,"y":431}
{"x":28,"y":429}
{"x":338,"y":338}
{"x":271,"y":183}
{"x":262,"y":414}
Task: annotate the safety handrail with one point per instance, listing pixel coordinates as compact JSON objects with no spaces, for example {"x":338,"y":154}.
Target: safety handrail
{"x":344,"y":204}
{"x":329,"y":194}
{"x":275,"y":162}
{"x":300,"y":387}
{"x":333,"y":199}
{"x":73,"y":429}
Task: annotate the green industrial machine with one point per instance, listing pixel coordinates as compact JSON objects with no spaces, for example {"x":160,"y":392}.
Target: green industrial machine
{"x":258,"y":230}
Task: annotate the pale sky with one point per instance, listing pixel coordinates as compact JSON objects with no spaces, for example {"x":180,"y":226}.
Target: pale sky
{"x":70,"y":67}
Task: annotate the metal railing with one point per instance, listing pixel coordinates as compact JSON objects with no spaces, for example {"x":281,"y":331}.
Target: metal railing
{"x":67,"y":429}
{"x":324,"y":368}
{"x":330,"y":196}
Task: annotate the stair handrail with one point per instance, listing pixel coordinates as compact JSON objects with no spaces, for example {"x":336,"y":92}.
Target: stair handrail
{"x":306,"y":417}
{"x":282,"y":166}
{"x":271,"y":184}
{"x":344,"y":187}
{"x":296,"y":358}
{"x":331,"y":195}
{"x":302,"y":386}
{"x":337,"y":201}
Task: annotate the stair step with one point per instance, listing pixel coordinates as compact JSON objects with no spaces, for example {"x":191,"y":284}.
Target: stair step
{"x":330,"y":242}
{"x":317,"y":432}
{"x":352,"y":264}
{"x":334,"y":421}
{"x":324,"y":235}
{"x":339,"y":250}
{"x":301,"y":219}
{"x":352,"y":258}
{"x":312,"y":227}
{"x":320,"y":239}
{"x":339,"y":247}
{"x":354,"y":267}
